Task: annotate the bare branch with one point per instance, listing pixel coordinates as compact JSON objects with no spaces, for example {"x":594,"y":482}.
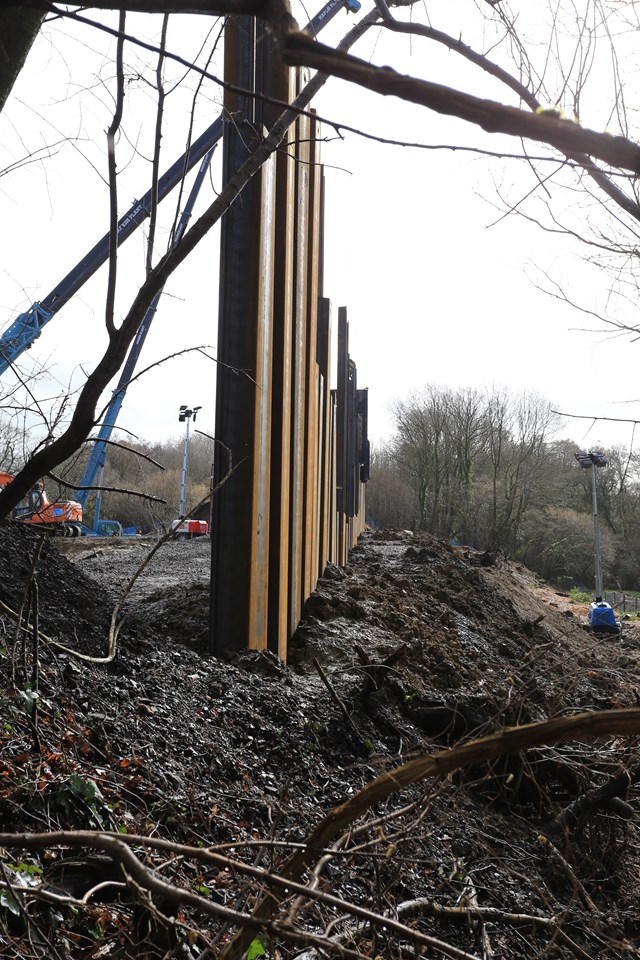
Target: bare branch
{"x":83,"y":419}
{"x":494,"y":117}
{"x":156,"y":146}
{"x":113,"y":190}
{"x":509,"y":741}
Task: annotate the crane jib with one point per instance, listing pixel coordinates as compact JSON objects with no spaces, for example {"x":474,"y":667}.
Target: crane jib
{"x":27,"y":327}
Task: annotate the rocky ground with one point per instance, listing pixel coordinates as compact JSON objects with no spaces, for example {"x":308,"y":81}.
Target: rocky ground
{"x":415,"y":648}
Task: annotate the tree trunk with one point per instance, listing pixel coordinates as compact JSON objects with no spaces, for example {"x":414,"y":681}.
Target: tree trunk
{"x":18,"y":30}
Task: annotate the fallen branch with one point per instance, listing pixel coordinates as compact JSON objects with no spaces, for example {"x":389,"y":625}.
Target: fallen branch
{"x":140,"y":876}
{"x":506,"y":742}
{"x":579,"y":888}
{"x":417,"y":908}
{"x":616,"y":787}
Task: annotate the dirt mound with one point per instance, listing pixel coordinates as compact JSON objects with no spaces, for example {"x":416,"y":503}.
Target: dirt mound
{"x":69,"y":602}
{"x":415,"y":647}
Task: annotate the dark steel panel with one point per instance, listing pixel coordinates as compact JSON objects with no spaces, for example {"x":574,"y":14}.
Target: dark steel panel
{"x":280,"y":83}
{"x":352,"y":442}
{"x":311,"y":518}
{"x":327,"y":501}
{"x":299,"y":371}
{"x":342,"y":433}
{"x":334,"y":539}
{"x":363,"y":435}
{"x":240,"y":513}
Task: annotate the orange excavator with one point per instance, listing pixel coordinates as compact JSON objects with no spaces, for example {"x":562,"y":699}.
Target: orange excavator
{"x":64,"y":517}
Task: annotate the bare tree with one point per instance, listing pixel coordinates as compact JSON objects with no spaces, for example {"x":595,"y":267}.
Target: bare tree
{"x":539,"y":81}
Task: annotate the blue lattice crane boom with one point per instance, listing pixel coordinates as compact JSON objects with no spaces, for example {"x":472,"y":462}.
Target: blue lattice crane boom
{"x":99,"y":451}
{"x":328,"y":12}
{"x":28,"y":326}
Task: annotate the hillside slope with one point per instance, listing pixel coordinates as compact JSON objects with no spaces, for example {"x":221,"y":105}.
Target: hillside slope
{"x":415,"y":647}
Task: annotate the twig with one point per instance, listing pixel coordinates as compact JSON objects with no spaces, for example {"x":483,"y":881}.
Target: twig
{"x":509,"y":741}
{"x":116,"y":625}
{"x":118,"y":847}
{"x":22,"y":617}
{"x":566,"y":867}
{"x":113,"y":186}
{"x":489,"y":914}
{"x":35,"y":665}
{"x":469,"y":901}
{"x":131,"y":493}
{"x":153,"y":215}
{"x":343,"y":710}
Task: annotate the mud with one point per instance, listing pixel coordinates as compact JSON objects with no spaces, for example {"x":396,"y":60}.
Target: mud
{"x":423,"y":646}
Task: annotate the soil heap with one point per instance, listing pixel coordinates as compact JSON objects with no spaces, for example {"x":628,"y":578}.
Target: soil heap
{"x":416,"y":647}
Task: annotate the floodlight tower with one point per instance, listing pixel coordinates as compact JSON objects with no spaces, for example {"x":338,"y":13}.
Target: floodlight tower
{"x":601,"y":615}
{"x":184,"y":416}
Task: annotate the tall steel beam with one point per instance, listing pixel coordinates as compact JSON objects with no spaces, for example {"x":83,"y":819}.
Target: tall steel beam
{"x":240,"y":514}
{"x":314,"y":246}
{"x":279,"y":83}
{"x":342,"y":434}
{"x":327,"y":501}
{"x":299,"y":350}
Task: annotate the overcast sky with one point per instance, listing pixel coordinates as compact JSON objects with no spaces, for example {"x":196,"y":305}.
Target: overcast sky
{"x":439,"y":285}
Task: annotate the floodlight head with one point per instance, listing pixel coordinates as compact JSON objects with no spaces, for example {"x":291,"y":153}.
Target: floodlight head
{"x":195,"y":412}
{"x":594,"y":458}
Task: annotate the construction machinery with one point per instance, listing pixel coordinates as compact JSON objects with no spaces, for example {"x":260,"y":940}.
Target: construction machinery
{"x":190,"y":529}
{"x":602,"y":618}
{"x":62,"y":517}
{"x":27,"y":327}
{"x":97,"y":457}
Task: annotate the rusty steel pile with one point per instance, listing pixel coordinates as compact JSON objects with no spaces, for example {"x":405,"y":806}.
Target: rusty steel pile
{"x":298,"y":450}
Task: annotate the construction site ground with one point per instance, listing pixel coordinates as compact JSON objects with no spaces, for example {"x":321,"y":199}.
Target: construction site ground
{"x":414,"y":648}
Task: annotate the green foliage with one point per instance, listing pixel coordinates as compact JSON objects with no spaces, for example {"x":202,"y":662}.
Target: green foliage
{"x":26,"y":869}
{"x":258,"y":947}
{"x":579,"y":596}
{"x":9,"y":902}
{"x":77,"y":796}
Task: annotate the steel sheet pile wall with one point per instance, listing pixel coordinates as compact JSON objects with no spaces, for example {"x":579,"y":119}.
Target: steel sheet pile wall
{"x":295,"y":499}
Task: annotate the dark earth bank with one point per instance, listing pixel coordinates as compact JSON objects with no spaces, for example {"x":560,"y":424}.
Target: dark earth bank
{"x":414,"y":648}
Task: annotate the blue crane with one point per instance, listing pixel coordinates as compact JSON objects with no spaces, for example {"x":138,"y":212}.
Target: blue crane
{"x":28,"y":326}
{"x":96,"y":460}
